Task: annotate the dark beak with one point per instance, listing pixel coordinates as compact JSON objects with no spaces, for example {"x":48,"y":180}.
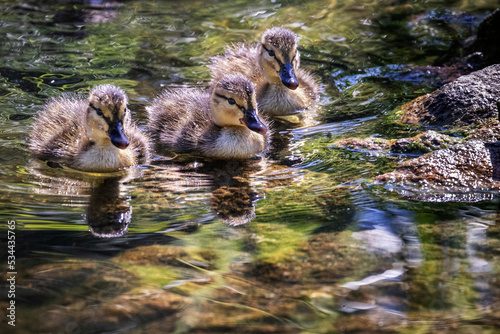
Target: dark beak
{"x":288,"y":77}
{"x":253,"y":122}
{"x":117,"y":136}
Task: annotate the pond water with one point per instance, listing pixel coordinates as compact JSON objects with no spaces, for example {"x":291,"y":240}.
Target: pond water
{"x":299,"y":241}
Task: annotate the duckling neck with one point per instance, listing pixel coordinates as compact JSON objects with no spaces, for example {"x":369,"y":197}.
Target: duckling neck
{"x":235,"y":142}
{"x":102,"y":156}
{"x":278,"y":100}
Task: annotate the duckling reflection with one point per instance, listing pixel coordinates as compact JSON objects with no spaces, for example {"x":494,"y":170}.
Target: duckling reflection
{"x":108,"y":214}
{"x":228,"y":187}
{"x":233,"y":196}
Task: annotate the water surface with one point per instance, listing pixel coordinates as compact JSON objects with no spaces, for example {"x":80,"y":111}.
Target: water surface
{"x":299,"y":241}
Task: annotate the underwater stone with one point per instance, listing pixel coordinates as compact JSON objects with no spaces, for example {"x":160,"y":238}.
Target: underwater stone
{"x":425,"y":142}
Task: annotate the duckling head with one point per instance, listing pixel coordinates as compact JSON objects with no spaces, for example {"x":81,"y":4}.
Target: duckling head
{"x":234,"y":103}
{"x":107,"y":112}
{"x":279,"y":57}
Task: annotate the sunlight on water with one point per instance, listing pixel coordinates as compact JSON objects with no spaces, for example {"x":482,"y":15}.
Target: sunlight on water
{"x":299,"y":240}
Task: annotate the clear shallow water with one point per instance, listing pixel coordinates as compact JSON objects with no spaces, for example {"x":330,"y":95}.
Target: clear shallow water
{"x":297,"y":242}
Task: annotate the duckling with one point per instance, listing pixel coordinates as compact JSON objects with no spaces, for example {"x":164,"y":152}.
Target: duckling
{"x":273,"y":65}
{"x":222,"y":123}
{"x":93,"y":135}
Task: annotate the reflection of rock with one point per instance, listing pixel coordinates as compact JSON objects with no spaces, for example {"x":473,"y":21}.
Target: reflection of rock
{"x":75,"y":16}
{"x":467,"y":100}
{"x":108,"y":214}
{"x":422,"y":143}
{"x":449,"y":73}
{"x":454,"y":172}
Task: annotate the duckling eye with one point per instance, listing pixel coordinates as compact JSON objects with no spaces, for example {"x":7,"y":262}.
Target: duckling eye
{"x":97,"y":110}
{"x":271,"y":53}
{"x":231,"y":101}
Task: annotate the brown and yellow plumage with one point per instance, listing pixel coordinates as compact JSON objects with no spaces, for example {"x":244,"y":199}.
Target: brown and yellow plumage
{"x":93,"y":135}
{"x":222,"y":123}
{"x":273,"y":66}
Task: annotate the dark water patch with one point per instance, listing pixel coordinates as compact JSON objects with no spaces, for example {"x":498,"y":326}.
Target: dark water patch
{"x":82,"y":243}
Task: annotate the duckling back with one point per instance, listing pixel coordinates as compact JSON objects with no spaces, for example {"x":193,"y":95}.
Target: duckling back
{"x":238,"y":59}
{"x":179,"y":119}
{"x":58,"y":133}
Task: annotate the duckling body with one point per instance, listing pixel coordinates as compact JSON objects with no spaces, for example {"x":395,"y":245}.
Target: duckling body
{"x":221,"y":124}
{"x":273,"y":66}
{"x":94,"y":135}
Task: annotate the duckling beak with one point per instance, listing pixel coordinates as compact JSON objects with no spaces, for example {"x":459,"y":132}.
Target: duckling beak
{"x":117,"y":136}
{"x":287,"y":76}
{"x":253,"y":122}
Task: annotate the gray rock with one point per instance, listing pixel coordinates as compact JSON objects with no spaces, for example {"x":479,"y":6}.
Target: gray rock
{"x":456,"y":173}
{"x":468,"y":100}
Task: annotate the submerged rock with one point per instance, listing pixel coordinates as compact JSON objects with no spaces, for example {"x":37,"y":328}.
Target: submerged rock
{"x":468,"y":100}
{"x":122,"y":313}
{"x":422,"y":143}
{"x":462,"y":168}
{"x":166,"y":255}
{"x":136,"y":309}
{"x":370,"y":143}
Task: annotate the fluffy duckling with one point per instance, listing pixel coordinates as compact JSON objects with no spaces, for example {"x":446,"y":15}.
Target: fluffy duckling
{"x":94,"y":135}
{"x":222,"y":123}
{"x":273,"y":65}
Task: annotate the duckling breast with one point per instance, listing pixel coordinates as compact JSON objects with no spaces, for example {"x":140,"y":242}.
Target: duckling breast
{"x":235,"y":143}
{"x":104,"y":159}
{"x":277,"y":100}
